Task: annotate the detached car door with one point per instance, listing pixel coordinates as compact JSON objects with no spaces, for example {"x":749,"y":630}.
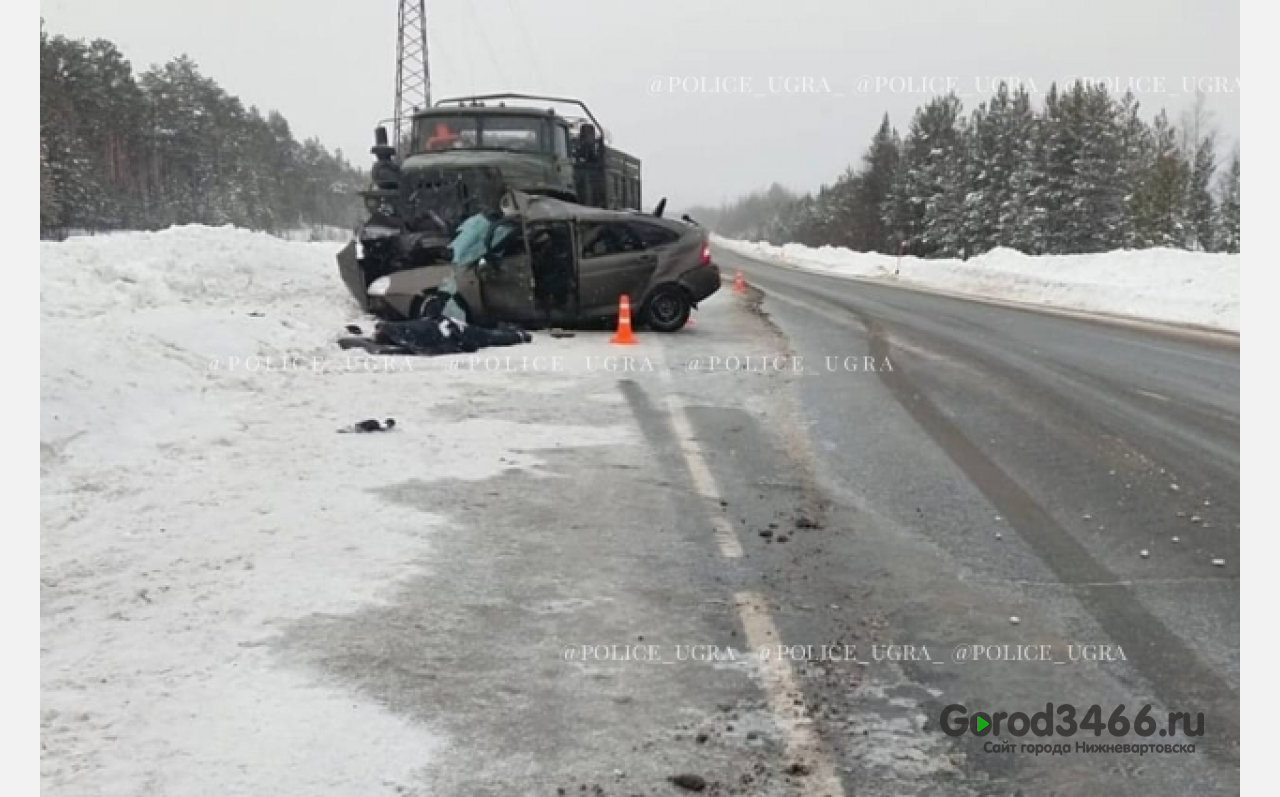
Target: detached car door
{"x":612,"y":260}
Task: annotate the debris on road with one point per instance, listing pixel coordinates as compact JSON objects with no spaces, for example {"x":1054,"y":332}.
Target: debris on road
{"x":369,"y":425}
{"x":689,"y":782}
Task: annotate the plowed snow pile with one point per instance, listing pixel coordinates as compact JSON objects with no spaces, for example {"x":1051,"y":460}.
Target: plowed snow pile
{"x":195,"y":499}
{"x":1169,"y":285}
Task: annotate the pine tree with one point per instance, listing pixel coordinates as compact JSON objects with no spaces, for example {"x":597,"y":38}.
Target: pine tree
{"x":1024,"y":218}
{"x":875,"y":180}
{"x":925,"y":172}
{"x":1135,"y":152}
{"x":1010,"y":159}
{"x":1227,"y":235}
{"x":1160,"y":202}
{"x":1199,"y":150}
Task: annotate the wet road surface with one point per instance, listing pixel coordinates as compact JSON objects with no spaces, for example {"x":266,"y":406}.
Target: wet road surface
{"x":840,"y":508}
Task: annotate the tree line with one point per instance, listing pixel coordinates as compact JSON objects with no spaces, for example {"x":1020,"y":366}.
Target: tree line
{"x":1083,"y":173}
{"x":169,"y":146}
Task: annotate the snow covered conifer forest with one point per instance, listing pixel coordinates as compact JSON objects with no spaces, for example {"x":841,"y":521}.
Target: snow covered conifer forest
{"x":1077,"y":171}
{"x":120,"y":150}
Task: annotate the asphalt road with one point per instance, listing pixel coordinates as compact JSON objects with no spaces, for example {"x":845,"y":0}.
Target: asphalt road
{"x":988,"y":462}
{"x":828,"y":504}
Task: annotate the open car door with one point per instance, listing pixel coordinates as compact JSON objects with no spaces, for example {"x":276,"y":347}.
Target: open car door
{"x":505,"y":274}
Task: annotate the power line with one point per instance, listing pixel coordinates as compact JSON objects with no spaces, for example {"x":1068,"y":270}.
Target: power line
{"x":484,"y":38}
{"x":517,"y":16}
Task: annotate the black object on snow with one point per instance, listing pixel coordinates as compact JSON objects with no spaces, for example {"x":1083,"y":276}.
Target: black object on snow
{"x":371,"y":425}
{"x":443,"y":335}
{"x":438,"y":335}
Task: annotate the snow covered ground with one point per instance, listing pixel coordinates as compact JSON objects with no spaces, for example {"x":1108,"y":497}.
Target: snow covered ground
{"x":195,"y":498}
{"x":1168,"y":285}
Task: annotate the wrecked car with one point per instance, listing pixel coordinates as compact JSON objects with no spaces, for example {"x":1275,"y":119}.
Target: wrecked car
{"x":540,"y":261}
{"x":463,"y":154}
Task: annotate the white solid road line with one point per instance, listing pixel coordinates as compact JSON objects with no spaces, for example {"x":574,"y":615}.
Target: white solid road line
{"x":786,"y":699}
{"x":703,"y":482}
{"x":803,"y":747}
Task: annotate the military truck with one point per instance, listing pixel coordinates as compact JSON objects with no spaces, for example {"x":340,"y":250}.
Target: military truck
{"x":461,"y":157}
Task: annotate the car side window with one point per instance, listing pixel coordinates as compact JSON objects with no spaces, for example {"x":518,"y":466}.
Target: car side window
{"x":508,"y":240}
{"x":652,"y":235}
{"x":609,"y":238}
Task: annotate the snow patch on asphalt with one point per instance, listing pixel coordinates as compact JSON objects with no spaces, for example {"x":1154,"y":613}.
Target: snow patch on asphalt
{"x":196,"y":499}
{"x":1167,"y":285}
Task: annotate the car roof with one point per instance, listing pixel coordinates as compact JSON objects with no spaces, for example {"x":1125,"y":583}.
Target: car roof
{"x":535,"y":207}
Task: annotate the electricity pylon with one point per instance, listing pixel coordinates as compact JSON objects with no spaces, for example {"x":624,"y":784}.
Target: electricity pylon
{"x":413,"y":76}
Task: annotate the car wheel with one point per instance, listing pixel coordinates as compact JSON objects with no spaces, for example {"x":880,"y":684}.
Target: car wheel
{"x":668,"y":309}
{"x":427,"y":305}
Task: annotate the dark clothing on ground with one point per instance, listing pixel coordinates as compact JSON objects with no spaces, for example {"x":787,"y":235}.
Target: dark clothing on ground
{"x":441,"y":335}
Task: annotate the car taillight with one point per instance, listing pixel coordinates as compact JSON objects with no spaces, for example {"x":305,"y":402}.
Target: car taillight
{"x":705,"y":258}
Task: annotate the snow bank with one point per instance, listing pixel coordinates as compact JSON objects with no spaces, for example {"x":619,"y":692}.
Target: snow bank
{"x":1168,"y":285}
{"x":195,"y":501}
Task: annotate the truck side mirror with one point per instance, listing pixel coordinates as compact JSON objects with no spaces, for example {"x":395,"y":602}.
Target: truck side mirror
{"x":588,"y":143}
{"x":382,"y":150}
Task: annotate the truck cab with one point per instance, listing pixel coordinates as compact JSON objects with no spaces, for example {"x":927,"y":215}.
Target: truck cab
{"x":459,"y":159}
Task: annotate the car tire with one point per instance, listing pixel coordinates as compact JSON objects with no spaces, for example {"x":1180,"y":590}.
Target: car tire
{"x":428,"y":304}
{"x":667,"y":309}
{"x":431,"y":304}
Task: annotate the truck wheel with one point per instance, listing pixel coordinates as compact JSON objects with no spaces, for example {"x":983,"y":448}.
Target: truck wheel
{"x":667,"y":309}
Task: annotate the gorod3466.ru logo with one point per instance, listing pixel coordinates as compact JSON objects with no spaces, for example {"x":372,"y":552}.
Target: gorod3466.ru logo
{"x":956,"y":721}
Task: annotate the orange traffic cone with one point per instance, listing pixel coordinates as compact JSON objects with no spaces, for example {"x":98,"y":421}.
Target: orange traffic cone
{"x":624,"y":336}
{"x":739,"y":284}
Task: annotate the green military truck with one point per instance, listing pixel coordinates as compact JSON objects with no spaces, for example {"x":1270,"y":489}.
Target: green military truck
{"x":461,"y":156}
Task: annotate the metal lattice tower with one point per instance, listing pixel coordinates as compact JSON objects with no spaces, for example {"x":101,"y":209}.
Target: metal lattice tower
{"x":413,"y":77}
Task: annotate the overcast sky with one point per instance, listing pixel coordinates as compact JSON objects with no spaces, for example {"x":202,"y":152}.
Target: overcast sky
{"x":717,"y":97}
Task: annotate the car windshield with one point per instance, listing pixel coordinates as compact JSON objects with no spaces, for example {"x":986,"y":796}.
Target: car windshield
{"x":440,"y":132}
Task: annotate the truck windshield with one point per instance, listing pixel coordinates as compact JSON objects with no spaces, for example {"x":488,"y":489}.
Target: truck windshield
{"x":437,"y":133}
